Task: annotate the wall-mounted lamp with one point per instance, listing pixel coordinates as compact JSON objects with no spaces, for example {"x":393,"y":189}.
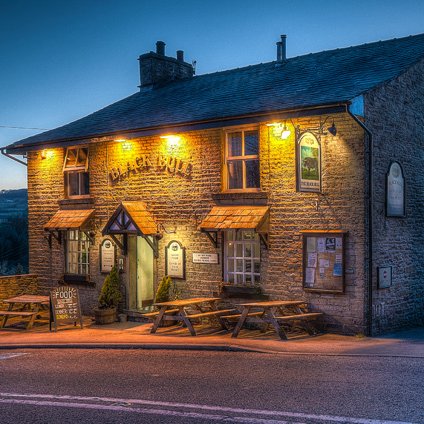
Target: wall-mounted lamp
{"x":126,"y":144}
{"x":46,"y":154}
{"x":280,"y":130}
{"x":172,"y":140}
{"x":333,"y":129}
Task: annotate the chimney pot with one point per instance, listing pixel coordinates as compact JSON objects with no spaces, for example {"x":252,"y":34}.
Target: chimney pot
{"x":281,"y":49}
{"x":180,"y":55}
{"x":160,"y":48}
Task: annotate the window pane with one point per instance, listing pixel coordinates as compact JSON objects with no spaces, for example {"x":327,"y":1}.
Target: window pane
{"x":252,"y":174}
{"x":256,"y":267}
{"x":73,"y":183}
{"x":82,"y":157}
{"x":234,"y":144}
{"x":84,"y":182}
{"x":231,"y":265}
{"x":251,"y":143}
{"x":235,"y":174}
{"x":239,"y":250}
{"x":248,"y":266}
{"x":71,"y":158}
{"x":230,"y":250}
{"x":247,"y":250}
{"x":239,"y":265}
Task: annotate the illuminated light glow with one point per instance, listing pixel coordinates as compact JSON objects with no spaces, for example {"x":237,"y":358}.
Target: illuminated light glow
{"x":280,"y":130}
{"x":46,"y":154}
{"x":126,"y":145}
{"x":120,"y":140}
{"x":285,"y":134}
{"x":173,"y":140}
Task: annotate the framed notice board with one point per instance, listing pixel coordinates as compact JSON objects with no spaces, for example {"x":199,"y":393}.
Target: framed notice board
{"x":324,"y":261}
{"x":65,"y":306}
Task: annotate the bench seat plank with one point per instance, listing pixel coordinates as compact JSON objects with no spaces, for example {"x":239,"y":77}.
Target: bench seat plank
{"x":218,"y":312}
{"x":305,"y":316}
{"x":18,"y":313}
{"x":250,"y":314}
{"x":155,"y":314}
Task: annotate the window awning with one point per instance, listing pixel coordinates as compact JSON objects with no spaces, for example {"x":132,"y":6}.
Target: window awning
{"x":72,"y":219}
{"x":222,"y":218}
{"x":133,"y":218}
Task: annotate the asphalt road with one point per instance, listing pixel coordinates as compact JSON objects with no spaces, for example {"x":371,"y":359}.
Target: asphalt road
{"x":139,"y":386}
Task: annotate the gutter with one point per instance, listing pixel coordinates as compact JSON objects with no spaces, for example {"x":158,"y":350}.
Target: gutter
{"x":3,"y":152}
{"x":185,"y":126}
{"x":370,"y":218}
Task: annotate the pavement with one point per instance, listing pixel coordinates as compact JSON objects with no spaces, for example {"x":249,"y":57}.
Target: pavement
{"x":136,"y":335}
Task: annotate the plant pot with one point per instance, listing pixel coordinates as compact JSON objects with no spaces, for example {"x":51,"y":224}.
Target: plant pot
{"x":105,"y":316}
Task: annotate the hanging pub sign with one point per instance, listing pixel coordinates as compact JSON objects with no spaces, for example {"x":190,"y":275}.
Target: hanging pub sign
{"x":308,"y":162}
{"x":395,"y":191}
{"x":107,"y":256}
{"x":65,"y":306}
{"x":175,"y":260}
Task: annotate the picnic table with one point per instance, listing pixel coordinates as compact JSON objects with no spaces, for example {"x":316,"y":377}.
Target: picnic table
{"x":177,"y":310}
{"x":28,"y":306}
{"x":277,"y":313}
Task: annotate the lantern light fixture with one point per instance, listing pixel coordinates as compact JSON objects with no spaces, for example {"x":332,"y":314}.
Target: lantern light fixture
{"x":333,"y":129}
{"x":172,"y":139}
{"x":280,"y":130}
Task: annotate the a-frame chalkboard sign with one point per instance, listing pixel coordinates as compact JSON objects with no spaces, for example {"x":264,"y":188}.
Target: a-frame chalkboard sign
{"x":65,"y":306}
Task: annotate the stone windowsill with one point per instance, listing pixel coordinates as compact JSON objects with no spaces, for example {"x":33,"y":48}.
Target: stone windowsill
{"x":240,"y":198}
{"x":80,"y":202}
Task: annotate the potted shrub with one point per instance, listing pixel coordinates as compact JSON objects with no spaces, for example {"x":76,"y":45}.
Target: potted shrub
{"x":109,"y":298}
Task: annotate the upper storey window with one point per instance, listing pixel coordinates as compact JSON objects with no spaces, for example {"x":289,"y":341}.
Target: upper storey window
{"x":75,"y":169}
{"x":242,"y":160}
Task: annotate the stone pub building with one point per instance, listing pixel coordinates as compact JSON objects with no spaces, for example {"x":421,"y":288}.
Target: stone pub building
{"x":300,"y":178}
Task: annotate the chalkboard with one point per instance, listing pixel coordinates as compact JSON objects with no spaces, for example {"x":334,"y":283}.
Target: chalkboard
{"x":65,"y":306}
{"x":324,"y":261}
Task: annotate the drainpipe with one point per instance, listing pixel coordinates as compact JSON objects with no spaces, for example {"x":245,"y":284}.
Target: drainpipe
{"x":370,"y":217}
{"x":3,"y":152}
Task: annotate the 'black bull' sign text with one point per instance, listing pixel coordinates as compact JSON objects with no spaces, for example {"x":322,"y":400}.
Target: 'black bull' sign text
{"x":162,"y":163}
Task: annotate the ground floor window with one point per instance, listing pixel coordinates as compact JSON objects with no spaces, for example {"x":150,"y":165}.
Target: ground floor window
{"x":242,"y":257}
{"x":77,"y":253}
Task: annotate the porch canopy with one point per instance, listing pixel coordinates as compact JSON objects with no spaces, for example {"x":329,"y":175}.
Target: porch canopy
{"x":68,"y":219}
{"x":132,"y":218}
{"x":222,"y":218}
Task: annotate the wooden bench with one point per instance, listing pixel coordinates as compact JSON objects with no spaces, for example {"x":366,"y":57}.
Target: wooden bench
{"x":153,"y":315}
{"x":305,"y":316}
{"x":250,"y":314}
{"x":216,"y":313}
{"x":7,"y":314}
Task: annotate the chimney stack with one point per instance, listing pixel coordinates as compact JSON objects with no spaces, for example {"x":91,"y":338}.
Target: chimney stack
{"x":281,"y":49}
{"x":156,"y":68}
{"x":180,"y":55}
{"x":160,"y":48}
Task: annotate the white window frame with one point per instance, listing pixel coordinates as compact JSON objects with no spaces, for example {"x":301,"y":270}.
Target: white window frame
{"x":77,"y":253}
{"x":230,"y":236}
{"x":243,"y":158}
{"x":74,"y":169}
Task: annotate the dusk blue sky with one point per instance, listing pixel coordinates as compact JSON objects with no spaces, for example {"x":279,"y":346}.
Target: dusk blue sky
{"x":61,"y":60}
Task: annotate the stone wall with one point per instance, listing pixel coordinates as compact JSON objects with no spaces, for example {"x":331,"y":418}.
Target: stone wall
{"x":179,"y":203}
{"x":395,"y":114}
{"x":15,"y":285}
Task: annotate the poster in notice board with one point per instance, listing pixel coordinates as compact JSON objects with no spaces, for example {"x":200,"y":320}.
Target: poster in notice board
{"x":65,"y":306}
{"x":324,"y":261}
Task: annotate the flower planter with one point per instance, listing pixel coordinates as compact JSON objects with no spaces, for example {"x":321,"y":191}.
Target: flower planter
{"x":105,"y":316}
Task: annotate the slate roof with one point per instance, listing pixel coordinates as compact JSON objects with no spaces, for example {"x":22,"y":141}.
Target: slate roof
{"x":327,"y":77}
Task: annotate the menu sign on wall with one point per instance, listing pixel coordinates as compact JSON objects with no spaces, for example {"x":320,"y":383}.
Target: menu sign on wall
{"x":395,"y":191}
{"x":65,"y":306}
{"x":205,"y":258}
{"x":107,"y":256}
{"x":175,"y":260}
